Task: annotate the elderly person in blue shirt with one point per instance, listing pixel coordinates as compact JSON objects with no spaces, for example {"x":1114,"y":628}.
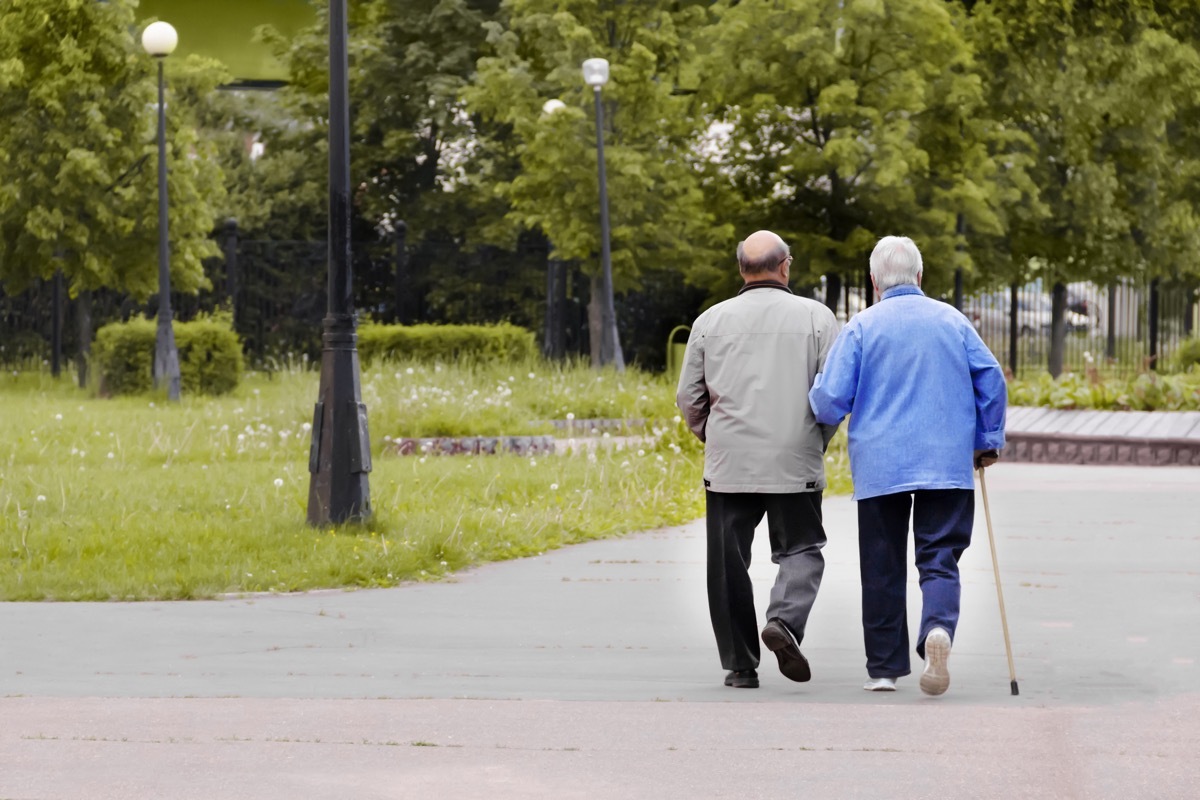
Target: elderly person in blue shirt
{"x":926,"y":400}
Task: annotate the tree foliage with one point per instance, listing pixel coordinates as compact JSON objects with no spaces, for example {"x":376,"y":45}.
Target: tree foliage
{"x":839,"y":122}
{"x":78,"y":157}
{"x":1106,"y":91}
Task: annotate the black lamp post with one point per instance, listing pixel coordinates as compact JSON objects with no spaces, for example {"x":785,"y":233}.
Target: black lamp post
{"x":595,"y":74}
{"x":340,"y":455}
{"x":159,"y":39}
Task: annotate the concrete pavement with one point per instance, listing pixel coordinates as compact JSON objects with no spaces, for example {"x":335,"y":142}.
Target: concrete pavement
{"x":591,"y":672}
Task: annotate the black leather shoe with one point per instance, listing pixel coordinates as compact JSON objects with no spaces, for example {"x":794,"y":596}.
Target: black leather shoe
{"x":742,"y":679}
{"x":782,"y":642}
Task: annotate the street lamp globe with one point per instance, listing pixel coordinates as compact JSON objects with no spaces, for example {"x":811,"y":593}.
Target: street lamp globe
{"x":595,"y":72}
{"x":160,"y":39}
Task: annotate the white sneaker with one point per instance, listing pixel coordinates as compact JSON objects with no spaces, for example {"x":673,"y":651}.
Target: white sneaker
{"x":880,"y":685}
{"x":936,"y":677}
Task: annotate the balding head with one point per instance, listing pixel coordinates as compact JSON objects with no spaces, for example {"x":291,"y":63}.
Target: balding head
{"x":761,"y":253}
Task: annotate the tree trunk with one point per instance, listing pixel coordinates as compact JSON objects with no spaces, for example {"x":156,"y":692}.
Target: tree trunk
{"x":1058,"y":328}
{"x":84,"y":314}
{"x":833,"y":290}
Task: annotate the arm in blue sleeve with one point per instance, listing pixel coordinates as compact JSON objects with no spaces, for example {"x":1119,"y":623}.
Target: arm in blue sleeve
{"x":991,"y":393}
{"x":833,"y":391}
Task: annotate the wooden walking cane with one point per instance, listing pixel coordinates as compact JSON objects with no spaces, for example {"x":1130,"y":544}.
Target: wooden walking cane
{"x":987,"y":514}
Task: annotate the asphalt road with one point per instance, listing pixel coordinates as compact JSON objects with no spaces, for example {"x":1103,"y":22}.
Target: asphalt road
{"x":590,"y":672}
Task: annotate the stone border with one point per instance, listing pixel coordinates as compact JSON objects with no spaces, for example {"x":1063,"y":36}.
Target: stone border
{"x":1063,"y":448}
{"x":469,"y":445}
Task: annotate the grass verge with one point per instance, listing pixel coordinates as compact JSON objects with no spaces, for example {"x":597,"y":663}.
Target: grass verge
{"x":136,"y":499}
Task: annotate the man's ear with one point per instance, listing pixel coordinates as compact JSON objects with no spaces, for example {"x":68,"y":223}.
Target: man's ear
{"x":919,"y":276}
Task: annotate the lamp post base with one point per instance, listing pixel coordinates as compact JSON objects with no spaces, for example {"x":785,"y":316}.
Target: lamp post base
{"x":166,"y":357}
{"x":340,"y":455}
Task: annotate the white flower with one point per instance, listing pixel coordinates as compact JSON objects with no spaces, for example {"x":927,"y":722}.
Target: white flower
{"x":658,"y":458}
{"x":152,"y":405}
{"x":41,"y":498}
{"x":58,"y":417}
{"x":111,"y":455}
{"x":625,"y":464}
{"x":241,"y":437}
{"x":570,"y":415}
{"x":278,"y":483}
{"x":306,"y":427}
{"x":678,"y":419}
{"x":532,"y":376}
{"x":641,"y":452}
{"x":533,"y":462}
{"x":408,"y":371}
{"x":554,"y":487}
{"x":422,"y":459}
{"x":444,"y":564}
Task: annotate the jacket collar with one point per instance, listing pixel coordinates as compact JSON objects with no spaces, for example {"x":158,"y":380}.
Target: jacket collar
{"x":764,"y":285}
{"x":904,"y":288}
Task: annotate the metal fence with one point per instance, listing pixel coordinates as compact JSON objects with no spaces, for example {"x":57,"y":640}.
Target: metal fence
{"x":1123,"y":329}
{"x":275,"y":291}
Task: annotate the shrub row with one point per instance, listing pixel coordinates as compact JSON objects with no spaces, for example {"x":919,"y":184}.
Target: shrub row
{"x":445,"y":343}
{"x":210,"y":356}
{"x":1147,"y":392}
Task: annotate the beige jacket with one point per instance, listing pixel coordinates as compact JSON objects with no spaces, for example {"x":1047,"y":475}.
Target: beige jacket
{"x":749,"y":364}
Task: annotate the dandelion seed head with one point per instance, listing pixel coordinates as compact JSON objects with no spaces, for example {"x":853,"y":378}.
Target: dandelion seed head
{"x":658,"y":458}
{"x":641,"y":452}
{"x":41,"y":498}
{"x":279,"y":483}
{"x":570,"y":415}
{"x":408,"y":371}
{"x":58,"y":417}
{"x":111,"y":454}
{"x":678,"y":419}
{"x":554,"y":487}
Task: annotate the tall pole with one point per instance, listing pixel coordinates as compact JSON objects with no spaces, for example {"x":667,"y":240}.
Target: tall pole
{"x":340,"y":455}
{"x":610,"y":346}
{"x":166,"y":356}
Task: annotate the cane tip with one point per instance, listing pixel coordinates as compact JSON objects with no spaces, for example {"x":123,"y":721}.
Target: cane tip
{"x":1015,"y":690}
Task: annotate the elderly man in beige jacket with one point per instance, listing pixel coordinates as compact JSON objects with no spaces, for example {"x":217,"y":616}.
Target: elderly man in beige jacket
{"x":749,"y":364}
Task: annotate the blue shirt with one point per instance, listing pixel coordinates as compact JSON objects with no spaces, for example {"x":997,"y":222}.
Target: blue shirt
{"x":922,"y":390}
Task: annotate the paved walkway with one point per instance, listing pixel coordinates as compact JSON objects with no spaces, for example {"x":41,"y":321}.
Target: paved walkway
{"x":589,"y":672}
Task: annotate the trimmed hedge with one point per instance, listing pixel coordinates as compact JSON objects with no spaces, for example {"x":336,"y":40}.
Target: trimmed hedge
{"x":210,"y":356}
{"x":445,"y":343}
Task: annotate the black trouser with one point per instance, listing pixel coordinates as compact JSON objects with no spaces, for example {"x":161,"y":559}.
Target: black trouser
{"x":941,"y":522}
{"x":797,"y":536}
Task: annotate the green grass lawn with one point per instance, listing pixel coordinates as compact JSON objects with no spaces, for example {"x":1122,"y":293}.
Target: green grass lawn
{"x":136,"y":498}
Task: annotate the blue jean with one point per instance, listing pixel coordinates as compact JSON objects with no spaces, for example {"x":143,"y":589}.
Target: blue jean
{"x":941,"y":521}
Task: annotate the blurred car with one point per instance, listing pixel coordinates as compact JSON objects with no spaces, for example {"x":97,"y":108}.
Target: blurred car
{"x":990,"y":313}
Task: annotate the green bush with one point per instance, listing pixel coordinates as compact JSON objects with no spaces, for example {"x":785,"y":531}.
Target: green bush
{"x":1147,"y":392}
{"x":1187,"y":356}
{"x":210,"y":356}
{"x":445,"y":343}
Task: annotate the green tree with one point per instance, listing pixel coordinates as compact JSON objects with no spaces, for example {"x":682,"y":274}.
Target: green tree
{"x":1106,"y":91}
{"x":77,"y":151}
{"x":542,"y":165}
{"x":835,"y":122}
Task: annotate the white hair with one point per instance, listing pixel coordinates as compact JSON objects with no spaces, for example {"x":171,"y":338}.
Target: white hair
{"x":895,"y":261}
